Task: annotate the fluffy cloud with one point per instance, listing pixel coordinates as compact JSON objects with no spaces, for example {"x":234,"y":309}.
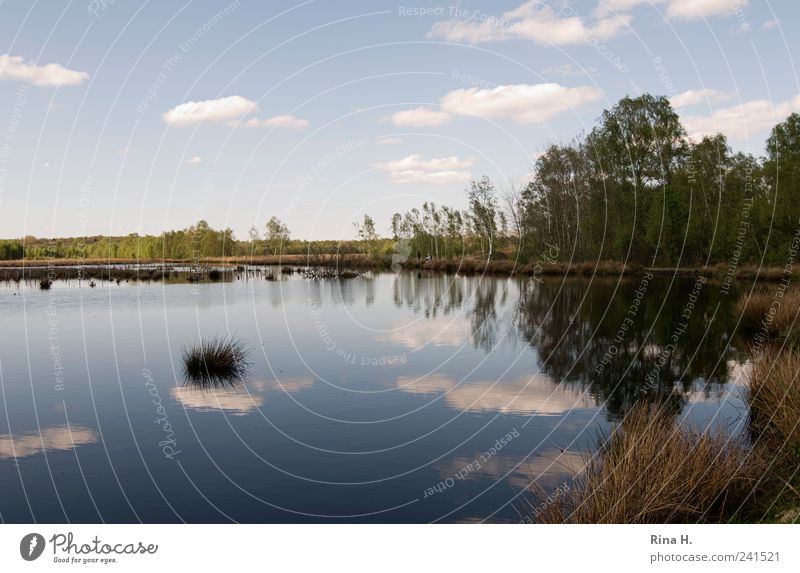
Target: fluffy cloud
{"x":528,"y":395}
{"x":606,"y":7}
{"x":209,"y":110}
{"x":53,"y":438}
{"x":14,"y":68}
{"x":287,"y":121}
{"x":523,"y":103}
{"x":569,"y":70}
{"x":743,"y":120}
{"x":694,"y":97}
{"x":196,"y":160}
{"x":420,"y":117}
{"x":697,"y":9}
{"x":438,"y":171}
{"x":533,"y":20}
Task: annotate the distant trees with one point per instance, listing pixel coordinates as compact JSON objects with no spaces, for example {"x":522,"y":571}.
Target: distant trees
{"x":635,"y":188}
{"x":277,"y":235}
{"x":484,"y":212}
{"x":365,"y":231}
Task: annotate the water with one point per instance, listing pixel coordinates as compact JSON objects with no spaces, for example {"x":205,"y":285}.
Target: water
{"x":406,"y":397}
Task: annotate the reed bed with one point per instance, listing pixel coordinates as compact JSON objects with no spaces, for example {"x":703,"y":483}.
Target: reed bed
{"x":774,"y":397}
{"x":651,"y":470}
{"x":770,"y":311}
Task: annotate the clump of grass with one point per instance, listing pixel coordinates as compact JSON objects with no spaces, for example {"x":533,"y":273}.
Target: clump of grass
{"x":774,"y":396}
{"x":220,"y":361}
{"x":45,"y":284}
{"x":651,"y":470}
{"x":770,"y":311}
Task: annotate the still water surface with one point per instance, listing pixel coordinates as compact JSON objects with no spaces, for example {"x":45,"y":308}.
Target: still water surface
{"x":407,"y":397}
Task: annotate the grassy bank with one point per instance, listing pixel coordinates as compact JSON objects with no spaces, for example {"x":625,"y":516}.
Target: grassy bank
{"x":651,"y":469}
{"x":771,"y":312}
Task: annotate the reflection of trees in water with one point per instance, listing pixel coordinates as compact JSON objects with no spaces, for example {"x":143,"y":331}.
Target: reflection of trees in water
{"x":433,"y":294}
{"x":575,"y":328}
{"x":342,"y":291}
{"x":429,"y":293}
{"x":488,"y":294}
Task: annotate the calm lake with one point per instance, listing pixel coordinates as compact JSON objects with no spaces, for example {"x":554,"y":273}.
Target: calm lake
{"x":407,"y":397}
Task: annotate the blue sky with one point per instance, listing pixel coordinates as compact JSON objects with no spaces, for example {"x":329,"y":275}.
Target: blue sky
{"x":122,"y":117}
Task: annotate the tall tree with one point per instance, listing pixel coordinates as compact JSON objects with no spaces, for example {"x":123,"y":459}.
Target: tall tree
{"x":484,"y":210}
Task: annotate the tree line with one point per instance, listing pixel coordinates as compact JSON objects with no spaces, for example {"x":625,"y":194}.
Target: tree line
{"x":634,"y":188}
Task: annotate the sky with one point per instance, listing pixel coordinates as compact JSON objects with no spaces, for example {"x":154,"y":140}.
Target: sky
{"x":120,"y":117}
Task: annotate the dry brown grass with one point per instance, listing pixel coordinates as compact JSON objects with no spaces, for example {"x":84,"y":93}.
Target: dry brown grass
{"x":774,"y":396}
{"x":770,"y":311}
{"x":650,"y":470}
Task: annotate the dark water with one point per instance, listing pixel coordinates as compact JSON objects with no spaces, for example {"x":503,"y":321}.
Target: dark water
{"x":393,"y":397}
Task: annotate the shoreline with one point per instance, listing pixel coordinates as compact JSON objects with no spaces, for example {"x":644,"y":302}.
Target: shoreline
{"x":467,"y":265}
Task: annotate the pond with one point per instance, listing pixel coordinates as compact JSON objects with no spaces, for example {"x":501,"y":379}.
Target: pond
{"x":389,"y":397}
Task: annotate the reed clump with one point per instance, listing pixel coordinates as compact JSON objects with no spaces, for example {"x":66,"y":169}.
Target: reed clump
{"x":770,"y":311}
{"x":774,"y":396}
{"x":652,"y":470}
{"x":219,"y":361}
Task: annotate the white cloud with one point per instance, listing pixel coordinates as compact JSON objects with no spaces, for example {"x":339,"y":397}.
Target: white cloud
{"x":568,"y":70}
{"x":533,"y":20}
{"x":697,"y":9}
{"x":770,"y":24}
{"x":527,"y":395}
{"x":523,"y":103}
{"x":389,"y":140}
{"x":741,"y":121}
{"x":209,"y":110}
{"x":14,"y":68}
{"x":438,"y":171}
{"x":196,"y":160}
{"x":420,"y":117}
{"x":54,"y":438}
{"x":606,"y":7}
{"x":287,"y":121}
{"x":694,"y":97}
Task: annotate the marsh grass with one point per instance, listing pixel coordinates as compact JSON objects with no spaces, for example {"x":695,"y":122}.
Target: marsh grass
{"x":215,"y":362}
{"x":652,"y":470}
{"x":774,"y":396}
{"x":770,"y":311}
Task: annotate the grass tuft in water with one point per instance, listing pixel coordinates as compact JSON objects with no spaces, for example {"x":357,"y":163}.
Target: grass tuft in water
{"x":216,"y":362}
